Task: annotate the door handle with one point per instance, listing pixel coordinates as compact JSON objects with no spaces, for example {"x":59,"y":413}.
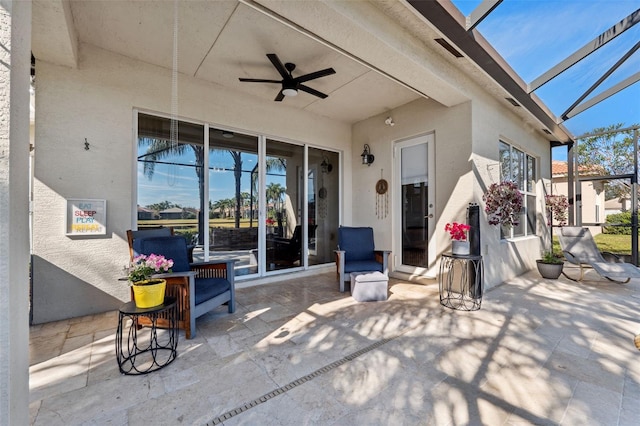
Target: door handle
{"x":430,"y":216}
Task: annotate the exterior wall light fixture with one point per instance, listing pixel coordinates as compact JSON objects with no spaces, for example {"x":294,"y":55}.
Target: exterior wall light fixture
{"x":367,"y":157}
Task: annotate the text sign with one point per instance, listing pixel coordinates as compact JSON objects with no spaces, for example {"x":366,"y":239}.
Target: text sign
{"x":86,"y":217}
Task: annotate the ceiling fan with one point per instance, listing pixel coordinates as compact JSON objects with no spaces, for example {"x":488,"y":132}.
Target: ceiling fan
{"x":290,"y":84}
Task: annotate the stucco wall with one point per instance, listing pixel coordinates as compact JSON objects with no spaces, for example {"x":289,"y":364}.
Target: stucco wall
{"x":493,"y":121}
{"x":78,"y":276}
{"x":452,"y":132}
{"x":466,"y":150}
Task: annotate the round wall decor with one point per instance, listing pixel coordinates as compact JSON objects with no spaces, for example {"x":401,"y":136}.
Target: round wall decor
{"x":382,"y":187}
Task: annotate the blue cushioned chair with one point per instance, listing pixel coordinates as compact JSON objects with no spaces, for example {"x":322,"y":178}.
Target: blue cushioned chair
{"x":154,"y":231}
{"x":356,"y":253}
{"x":198,"y":287}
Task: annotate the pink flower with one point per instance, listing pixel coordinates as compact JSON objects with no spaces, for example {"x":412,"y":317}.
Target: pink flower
{"x":143,"y":266}
{"x":458,"y":231}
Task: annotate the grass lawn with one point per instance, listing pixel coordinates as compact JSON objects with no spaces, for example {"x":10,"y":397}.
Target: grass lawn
{"x":619,"y":244}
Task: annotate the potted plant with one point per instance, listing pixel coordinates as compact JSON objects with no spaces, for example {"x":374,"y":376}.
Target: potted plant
{"x":550,"y":265}
{"x":148,"y":291}
{"x":458,"y":233}
{"x":503,"y":204}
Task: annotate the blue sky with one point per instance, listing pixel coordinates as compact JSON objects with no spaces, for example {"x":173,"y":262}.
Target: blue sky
{"x":535,"y":35}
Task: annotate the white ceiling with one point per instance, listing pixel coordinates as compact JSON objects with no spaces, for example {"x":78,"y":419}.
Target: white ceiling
{"x":223,"y":40}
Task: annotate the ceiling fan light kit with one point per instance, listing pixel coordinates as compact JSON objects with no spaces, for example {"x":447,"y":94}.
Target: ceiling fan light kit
{"x":290,"y":84}
{"x":289,"y":92}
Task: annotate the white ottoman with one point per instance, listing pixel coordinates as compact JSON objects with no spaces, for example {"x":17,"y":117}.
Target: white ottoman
{"x":369,"y":286}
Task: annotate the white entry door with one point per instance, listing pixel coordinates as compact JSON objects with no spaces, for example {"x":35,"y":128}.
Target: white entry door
{"x":414,"y":166}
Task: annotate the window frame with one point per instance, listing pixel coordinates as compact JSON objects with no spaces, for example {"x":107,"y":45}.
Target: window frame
{"x":520,"y":168}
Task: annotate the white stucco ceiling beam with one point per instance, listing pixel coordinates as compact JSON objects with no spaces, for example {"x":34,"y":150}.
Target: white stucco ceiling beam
{"x":375,"y":40}
{"x":54,"y":36}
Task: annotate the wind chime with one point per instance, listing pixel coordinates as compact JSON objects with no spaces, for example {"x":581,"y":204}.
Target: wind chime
{"x":382,"y":197}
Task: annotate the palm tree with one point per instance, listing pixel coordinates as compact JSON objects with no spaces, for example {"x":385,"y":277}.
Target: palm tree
{"x":159,"y":149}
{"x":273,"y":164}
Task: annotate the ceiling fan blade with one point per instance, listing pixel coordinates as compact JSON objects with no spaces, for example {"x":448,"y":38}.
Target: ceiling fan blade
{"x":280,"y":97}
{"x":312,"y":91}
{"x":278,"y":64}
{"x":258,"y":80}
{"x":314,"y":75}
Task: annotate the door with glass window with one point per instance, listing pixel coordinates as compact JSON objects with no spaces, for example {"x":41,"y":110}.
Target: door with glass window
{"x":415,"y":208}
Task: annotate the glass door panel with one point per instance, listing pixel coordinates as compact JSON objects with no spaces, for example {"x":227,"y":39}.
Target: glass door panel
{"x":322,"y":205}
{"x":233,"y":199}
{"x":284,"y":196}
{"x":416,"y":205}
{"x":170,"y":176}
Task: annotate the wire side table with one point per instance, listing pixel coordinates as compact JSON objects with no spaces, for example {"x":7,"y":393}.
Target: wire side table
{"x":146,"y":349}
{"x":461,"y":280}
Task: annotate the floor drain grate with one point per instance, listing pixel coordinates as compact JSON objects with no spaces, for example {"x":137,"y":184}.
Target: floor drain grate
{"x":264,"y":398}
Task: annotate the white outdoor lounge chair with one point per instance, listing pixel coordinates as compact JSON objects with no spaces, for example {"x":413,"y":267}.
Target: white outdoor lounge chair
{"x":579,"y":248}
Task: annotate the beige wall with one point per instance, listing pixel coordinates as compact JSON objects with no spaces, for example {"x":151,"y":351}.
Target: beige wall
{"x":76,"y":276}
{"x":493,"y":121}
{"x":592,"y":205}
{"x":452,"y":132}
{"x":466,"y":149}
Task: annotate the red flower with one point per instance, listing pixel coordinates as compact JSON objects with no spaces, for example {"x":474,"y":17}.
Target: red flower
{"x":270,"y":221}
{"x":458,"y":231}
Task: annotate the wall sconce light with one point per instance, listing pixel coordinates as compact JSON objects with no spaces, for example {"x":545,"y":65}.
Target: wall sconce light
{"x":389,"y":122}
{"x":325,"y":166}
{"x":367,"y":157}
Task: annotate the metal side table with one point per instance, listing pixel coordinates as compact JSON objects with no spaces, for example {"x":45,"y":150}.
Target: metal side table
{"x":150,"y":348}
{"x":461,"y":280}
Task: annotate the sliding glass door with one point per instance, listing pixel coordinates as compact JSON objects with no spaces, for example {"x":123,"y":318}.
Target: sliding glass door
{"x":269,"y":205}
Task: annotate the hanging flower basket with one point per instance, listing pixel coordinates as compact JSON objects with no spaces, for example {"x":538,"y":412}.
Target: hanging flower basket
{"x":557,"y":209}
{"x":503,"y":204}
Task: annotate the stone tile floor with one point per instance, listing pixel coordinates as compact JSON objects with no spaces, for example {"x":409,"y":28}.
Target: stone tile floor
{"x":300,"y":352}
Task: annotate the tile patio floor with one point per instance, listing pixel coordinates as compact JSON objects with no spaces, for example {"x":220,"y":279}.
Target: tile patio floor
{"x":300,"y":352}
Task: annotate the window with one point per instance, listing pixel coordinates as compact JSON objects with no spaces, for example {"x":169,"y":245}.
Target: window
{"x":520,"y":167}
{"x":238,"y":196}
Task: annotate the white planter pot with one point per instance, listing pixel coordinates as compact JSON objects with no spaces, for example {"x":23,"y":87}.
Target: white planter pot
{"x":460,"y":247}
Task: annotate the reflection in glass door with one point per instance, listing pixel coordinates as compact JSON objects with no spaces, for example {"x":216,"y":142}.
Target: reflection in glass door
{"x":322,"y":205}
{"x":233,"y":199}
{"x":284,"y":205}
{"x":413,"y":159}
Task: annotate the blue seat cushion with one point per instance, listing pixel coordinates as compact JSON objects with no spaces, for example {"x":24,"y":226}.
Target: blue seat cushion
{"x":362,"y":265}
{"x":208,"y":288}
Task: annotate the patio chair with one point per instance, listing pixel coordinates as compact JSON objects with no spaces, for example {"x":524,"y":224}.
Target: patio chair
{"x":356,"y":253}
{"x":287,"y":251}
{"x":579,"y":248}
{"x":198,"y":287}
{"x":154,"y":231}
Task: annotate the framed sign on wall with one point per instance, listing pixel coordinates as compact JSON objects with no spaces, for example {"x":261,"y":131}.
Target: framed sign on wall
{"x":86,"y":217}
